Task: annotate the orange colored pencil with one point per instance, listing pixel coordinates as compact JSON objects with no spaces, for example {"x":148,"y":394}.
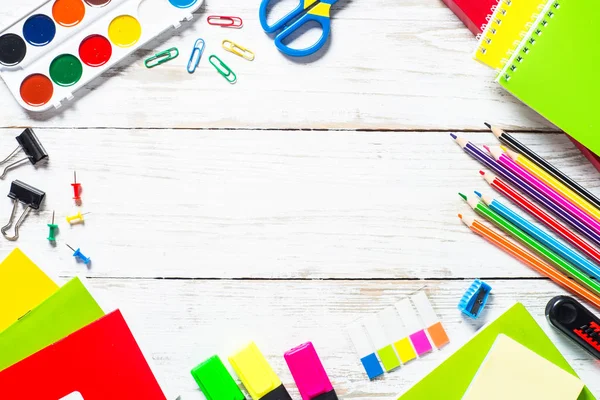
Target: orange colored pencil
{"x":528,"y":258}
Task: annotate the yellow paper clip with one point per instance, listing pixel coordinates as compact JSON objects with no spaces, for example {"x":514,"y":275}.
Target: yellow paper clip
{"x":238,"y":50}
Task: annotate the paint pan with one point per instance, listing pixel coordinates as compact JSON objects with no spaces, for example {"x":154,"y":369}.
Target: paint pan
{"x":52,"y":52}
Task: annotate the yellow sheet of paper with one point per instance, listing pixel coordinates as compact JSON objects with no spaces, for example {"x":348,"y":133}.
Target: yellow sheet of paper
{"x":512,"y":371}
{"x":23,"y":286}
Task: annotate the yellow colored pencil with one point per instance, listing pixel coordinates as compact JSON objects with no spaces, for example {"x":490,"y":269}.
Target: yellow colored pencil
{"x":553,"y":183}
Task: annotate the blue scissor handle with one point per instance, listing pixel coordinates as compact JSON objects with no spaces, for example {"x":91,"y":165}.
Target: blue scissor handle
{"x":325,"y":23}
{"x":282,"y":22}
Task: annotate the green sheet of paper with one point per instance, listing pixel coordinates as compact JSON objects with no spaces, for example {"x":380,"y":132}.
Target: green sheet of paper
{"x":69,"y":309}
{"x":452,"y":378}
{"x":555,"y":69}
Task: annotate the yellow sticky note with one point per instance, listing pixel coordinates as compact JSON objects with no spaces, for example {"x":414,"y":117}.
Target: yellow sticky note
{"x":254,"y":371}
{"x":23,"y":286}
{"x":512,"y":371}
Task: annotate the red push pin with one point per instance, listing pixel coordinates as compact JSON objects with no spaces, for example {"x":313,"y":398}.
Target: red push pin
{"x":76,"y":189}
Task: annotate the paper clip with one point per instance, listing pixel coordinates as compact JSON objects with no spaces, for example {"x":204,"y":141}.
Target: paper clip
{"x":196,"y":56}
{"x":161,"y":58}
{"x":223,"y":69}
{"x":238,"y":50}
{"x":225,"y":21}
{"x":28,"y":144}
{"x":31,"y":198}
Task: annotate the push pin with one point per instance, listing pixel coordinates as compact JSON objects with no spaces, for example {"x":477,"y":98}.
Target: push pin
{"x":79,"y":256}
{"x":76,"y":219}
{"x":53,"y":230}
{"x":31,"y":198}
{"x":31,"y":146}
{"x":76,"y":189}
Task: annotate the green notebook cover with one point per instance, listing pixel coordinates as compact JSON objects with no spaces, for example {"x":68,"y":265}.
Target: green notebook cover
{"x":69,"y":309}
{"x":452,"y":378}
{"x":555,"y":69}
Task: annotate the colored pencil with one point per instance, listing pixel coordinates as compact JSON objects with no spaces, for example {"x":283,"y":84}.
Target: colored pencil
{"x":530,"y":242}
{"x":545,"y":177}
{"x":530,"y":259}
{"x":544,"y":189}
{"x":544,"y":238}
{"x":510,"y":141}
{"x":494,"y":165}
{"x":536,"y":212}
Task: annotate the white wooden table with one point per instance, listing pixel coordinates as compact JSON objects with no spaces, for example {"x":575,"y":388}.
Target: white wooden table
{"x":284,"y":207}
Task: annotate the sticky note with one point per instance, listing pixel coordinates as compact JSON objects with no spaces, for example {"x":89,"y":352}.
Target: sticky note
{"x":23,"y":286}
{"x":256,"y":374}
{"x":215,"y":381}
{"x":417,"y":335}
{"x":396,"y":334}
{"x":385,"y":351}
{"x":364,"y":349}
{"x":436,"y":331}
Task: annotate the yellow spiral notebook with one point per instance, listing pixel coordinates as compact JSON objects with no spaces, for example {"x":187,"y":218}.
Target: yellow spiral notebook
{"x":555,"y":69}
{"x":505,"y":29}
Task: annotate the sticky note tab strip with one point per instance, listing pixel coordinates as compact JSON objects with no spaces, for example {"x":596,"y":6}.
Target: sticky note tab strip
{"x":364,"y":349}
{"x":436,"y":331}
{"x":396,"y":334}
{"x":413,"y":325}
{"x":385,"y":351}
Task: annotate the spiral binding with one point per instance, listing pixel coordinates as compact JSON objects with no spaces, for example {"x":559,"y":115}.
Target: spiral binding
{"x":530,"y":42}
{"x":494,"y":20}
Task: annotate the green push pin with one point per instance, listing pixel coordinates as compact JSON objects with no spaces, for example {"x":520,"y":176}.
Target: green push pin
{"x":53,"y":230}
{"x":215,"y":381}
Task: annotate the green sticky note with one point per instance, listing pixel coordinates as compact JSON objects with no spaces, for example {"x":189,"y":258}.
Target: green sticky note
{"x":388,"y":358}
{"x":69,"y":309}
{"x":452,"y":378}
{"x":215,"y":381}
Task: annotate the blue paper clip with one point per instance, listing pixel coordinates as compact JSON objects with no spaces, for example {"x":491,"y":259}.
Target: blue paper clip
{"x":473,"y":301}
{"x":196,"y":56}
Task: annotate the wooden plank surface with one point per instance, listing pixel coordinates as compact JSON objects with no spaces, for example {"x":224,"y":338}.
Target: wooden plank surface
{"x":390,"y":65}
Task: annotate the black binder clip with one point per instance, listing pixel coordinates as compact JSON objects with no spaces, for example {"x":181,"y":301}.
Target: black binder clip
{"x":31,"y":198}
{"x":31,"y":146}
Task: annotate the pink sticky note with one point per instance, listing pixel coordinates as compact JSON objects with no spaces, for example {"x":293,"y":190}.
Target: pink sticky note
{"x":420,"y":342}
{"x":308,"y":372}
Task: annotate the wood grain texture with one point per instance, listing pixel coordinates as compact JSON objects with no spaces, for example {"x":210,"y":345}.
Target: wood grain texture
{"x":180,"y":323}
{"x":230,"y":204}
{"x":390,"y":65}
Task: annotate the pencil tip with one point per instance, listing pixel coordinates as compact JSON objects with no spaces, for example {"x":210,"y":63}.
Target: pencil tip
{"x":463,"y":196}
{"x":460,"y":216}
{"x":477,"y":193}
{"x":488,"y":125}
{"x":453,"y":136}
{"x":486,"y":147}
{"x":481,"y":173}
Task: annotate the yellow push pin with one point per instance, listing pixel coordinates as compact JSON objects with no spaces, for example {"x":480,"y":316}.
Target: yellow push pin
{"x":77,"y":218}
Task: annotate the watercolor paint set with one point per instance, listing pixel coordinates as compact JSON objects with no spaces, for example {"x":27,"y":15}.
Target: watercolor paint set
{"x":62,"y":45}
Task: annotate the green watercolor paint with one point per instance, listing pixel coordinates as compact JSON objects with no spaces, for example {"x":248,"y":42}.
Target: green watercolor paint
{"x":66,"y":70}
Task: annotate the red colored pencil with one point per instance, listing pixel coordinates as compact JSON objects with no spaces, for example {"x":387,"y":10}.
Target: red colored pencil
{"x":542,"y":216}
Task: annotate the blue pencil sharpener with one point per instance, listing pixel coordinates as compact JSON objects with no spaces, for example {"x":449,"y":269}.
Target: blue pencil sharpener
{"x":473,"y":301}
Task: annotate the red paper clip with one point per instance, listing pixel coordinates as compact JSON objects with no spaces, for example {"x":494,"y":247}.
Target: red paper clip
{"x":225,"y":21}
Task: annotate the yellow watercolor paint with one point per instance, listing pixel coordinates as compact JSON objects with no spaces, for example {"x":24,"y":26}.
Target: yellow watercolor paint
{"x":405,"y":350}
{"x":124,"y":31}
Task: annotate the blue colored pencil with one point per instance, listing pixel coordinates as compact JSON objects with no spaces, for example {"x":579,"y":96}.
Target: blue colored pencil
{"x":538,"y":234}
{"x":488,"y":161}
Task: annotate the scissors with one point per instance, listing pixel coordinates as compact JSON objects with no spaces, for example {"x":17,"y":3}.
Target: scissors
{"x":307,"y":10}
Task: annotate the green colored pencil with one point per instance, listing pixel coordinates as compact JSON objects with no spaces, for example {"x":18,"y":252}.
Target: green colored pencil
{"x":530,"y":242}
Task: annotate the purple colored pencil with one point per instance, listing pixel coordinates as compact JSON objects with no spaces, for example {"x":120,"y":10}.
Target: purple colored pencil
{"x":547,"y":191}
{"x":501,"y":170}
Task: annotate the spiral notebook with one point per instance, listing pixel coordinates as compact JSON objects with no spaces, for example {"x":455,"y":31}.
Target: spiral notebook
{"x":508,"y":24}
{"x":555,"y":69}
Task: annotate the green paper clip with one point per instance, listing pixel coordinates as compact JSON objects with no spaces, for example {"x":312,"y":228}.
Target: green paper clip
{"x":215,"y":381}
{"x":162,"y":57}
{"x":223,"y":69}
